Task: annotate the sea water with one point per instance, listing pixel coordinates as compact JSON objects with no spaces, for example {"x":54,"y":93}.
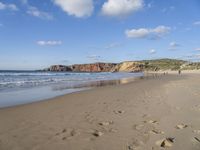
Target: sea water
{"x":21,"y":87}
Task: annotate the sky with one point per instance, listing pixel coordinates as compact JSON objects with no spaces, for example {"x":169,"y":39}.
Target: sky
{"x":35,"y":34}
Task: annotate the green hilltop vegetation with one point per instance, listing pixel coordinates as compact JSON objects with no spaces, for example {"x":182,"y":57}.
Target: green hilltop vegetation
{"x":169,"y":64}
{"x":163,"y":64}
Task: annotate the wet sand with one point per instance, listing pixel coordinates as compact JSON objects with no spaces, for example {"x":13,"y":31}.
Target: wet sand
{"x":150,"y":114}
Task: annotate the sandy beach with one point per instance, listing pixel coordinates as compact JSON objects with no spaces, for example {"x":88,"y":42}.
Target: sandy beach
{"x":154,"y":113}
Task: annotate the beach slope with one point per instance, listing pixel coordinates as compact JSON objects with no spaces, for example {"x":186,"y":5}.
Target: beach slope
{"x":150,"y":114}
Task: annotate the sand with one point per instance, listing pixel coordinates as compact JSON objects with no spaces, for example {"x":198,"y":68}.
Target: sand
{"x":150,"y":114}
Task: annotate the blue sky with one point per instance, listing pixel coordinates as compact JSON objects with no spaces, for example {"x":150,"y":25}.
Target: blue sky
{"x":35,"y":34}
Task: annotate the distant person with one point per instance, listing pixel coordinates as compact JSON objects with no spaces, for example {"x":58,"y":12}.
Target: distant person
{"x":179,"y":72}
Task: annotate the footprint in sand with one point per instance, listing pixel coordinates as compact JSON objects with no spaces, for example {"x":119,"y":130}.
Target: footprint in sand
{"x":146,"y":115}
{"x":156,"y":131}
{"x":151,"y":122}
{"x":67,"y":134}
{"x":106,"y":126}
{"x":90,"y":118}
{"x":138,"y":127}
{"x":165,"y":143}
{"x":147,"y":129}
{"x":135,"y":145}
{"x":97,"y":133}
{"x":197,"y":139}
{"x":119,"y":111}
{"x":196,"y":131}
{"x":106,"y":123}
{"x":181,"y":126}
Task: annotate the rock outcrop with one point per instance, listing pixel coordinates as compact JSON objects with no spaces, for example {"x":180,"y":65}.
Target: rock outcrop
{"x":96,"y":67}
{"x":59,"y":68}
{"x":129,"y":66}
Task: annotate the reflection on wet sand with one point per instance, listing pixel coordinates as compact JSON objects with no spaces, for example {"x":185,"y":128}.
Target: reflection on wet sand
{"x":101,"y":83}
{"x":93,"y":84}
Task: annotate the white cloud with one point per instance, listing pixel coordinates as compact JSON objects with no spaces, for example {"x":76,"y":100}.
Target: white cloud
{"x":78,"y":8}
{"x":197,"y":23}
{"x":37,"y":13}
{"x":154,"y":33}
{"x":12,"y":7}
{"x":173,"y":46}
{"x":137,"y":33}
{"x":34,"y":11}
{"x":120,"y":8}
{"x":160,"y":30}
{"x":152,"y":51}
{"x":49,"y":43}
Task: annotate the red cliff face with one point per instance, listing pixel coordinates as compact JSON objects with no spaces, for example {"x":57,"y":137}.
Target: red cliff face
{"x":97,"y":67}
{"x":100,"y":67}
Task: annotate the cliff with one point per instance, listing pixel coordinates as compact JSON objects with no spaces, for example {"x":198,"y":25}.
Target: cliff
{"x":59,"y":68}
{"x":129,"y":66}
{"x":96,"y":67}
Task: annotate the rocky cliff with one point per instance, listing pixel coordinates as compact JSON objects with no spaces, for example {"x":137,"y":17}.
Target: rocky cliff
{"x":59,"y":68}
{"x":100,"y":67}
{"x":129,"y":66}
{"x":96,"y":67}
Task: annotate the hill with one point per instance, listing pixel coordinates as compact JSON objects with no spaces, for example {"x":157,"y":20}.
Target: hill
{"x":129,"y":66}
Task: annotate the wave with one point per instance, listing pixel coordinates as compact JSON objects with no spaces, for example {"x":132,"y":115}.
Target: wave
{"x":32,"y":79}
{"x":44,"y":73}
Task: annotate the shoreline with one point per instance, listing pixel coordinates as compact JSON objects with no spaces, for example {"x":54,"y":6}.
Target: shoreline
{"x":136,"y":115}
{"x":95,"y":85}
{"x":21,"y":95}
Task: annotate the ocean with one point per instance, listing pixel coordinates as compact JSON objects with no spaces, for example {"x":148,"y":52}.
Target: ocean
{"x":21,"y":87}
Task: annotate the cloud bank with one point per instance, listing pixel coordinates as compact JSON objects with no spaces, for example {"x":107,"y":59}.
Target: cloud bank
{"x":77,"y":8}
{"x":148,"y":33}
{"x":4,"y":6}
{"x":120,"y":8}
{"x":49,"y":43}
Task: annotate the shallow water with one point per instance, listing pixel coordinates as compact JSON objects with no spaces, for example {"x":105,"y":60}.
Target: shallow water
{"x":21,"y":87}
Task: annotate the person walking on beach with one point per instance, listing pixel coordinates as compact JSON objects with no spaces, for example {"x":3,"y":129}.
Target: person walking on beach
{"x":179,"y":71}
